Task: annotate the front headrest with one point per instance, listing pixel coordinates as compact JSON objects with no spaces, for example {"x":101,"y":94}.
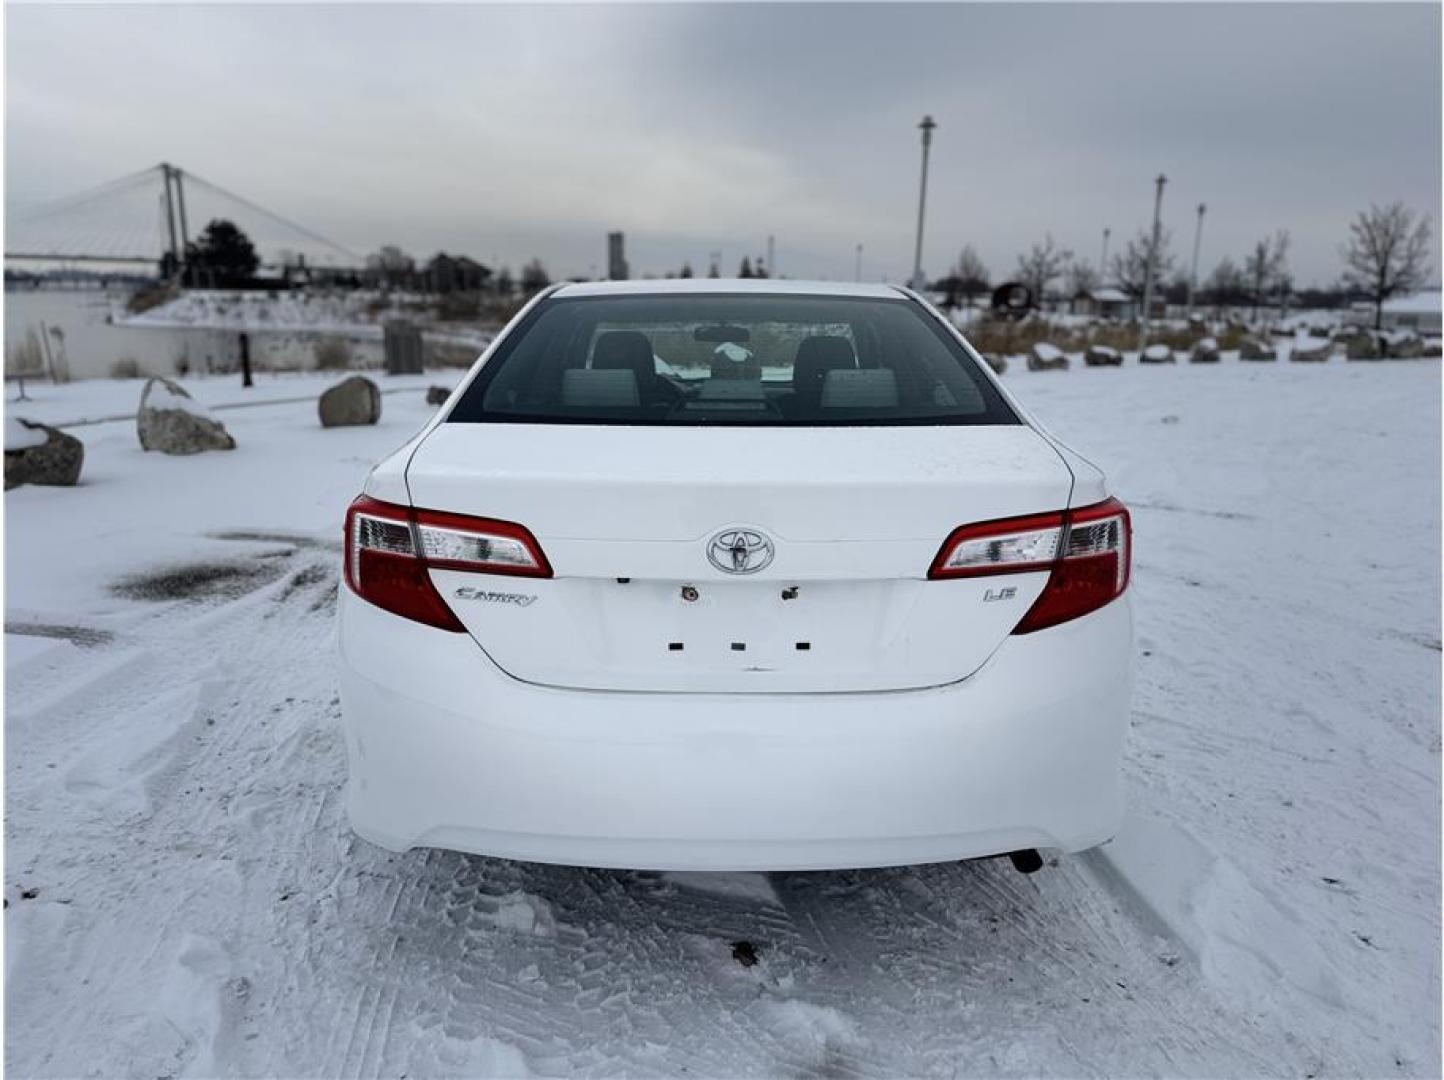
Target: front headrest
{"x":624,"y":349}
{"x":816,"y":356}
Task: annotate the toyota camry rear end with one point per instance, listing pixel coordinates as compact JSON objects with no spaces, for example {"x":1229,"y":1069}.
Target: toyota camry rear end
{"x":735,"y":575}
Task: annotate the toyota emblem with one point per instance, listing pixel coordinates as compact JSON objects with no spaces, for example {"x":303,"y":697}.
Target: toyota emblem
{"x":739,"y":551}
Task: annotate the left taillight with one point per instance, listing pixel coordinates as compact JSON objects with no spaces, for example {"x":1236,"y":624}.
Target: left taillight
{"x":390,"y":550}
{"x":1087,"y":553}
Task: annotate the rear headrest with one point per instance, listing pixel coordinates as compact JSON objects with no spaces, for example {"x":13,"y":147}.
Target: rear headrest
{"x":607,"y":389}
{"x":868,"y":388}
{"x":816,"y":356}
{"x":624,"y":349}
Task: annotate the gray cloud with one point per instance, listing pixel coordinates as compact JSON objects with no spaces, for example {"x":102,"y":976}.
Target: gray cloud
{"x":507,"y":131}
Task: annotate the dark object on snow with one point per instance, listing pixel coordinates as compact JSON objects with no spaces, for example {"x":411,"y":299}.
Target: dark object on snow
{"x":1044,"y":356}
{"x":1362,"y":346}
{"x":1012,"y":298}
{"x":744,"y":952}
{"x":437,"y":395}
{"x":1026,"y":861}
{"x":1252,"y":349}
{"x":29,"y":894}
{"x":402,"y":342}
{"x":171,"y":421}
{"x":1102,"y":356}
{"x":1404,"y":347}
{"x":1316,"y":355}
{"x":351,"y":402}
{"x":1205,"y":351}
{"x":55,"y":462}
{"x":1157,"y":354}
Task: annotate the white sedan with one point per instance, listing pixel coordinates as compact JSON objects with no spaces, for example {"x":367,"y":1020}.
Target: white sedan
{"x":826,"y":598}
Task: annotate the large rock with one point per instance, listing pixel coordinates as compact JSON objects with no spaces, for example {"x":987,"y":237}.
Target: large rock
{"x":350,"y":403}
{"x":1404,"y":346}
{"x":437,"y":395}
{"x":173,"y":422}
{"x":1102,"y":356}
{"x":1362,"y":346}
{"x":1432,"y":348}
{"x":1312,"y":351}
{"x":1157,"y":354}
{"x":1253,"y":349}
{"x":37,"y":454}
{"x":1205,"y":351}
{"x":1045,"y":357}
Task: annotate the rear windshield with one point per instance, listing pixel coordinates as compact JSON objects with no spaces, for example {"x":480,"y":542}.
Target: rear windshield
{"x":719,"y":359}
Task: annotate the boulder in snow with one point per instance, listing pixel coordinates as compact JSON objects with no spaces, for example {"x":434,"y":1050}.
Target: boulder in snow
{"x":1045,"y":357}
{"x":1405,"y":346}
{"x":437,"y":395}
{"x":1311,"y":351}
{"x":37,"y":454}
{"x":1362,"y":346}
{"x":1253,"y":349}
{"x":1157,"y":354}
{"x":350,"y":403}
{"x":1431,"y":348}
{"x":173,"y":422}
{"x":1102,"y":356}
{"x":1205,"y":351}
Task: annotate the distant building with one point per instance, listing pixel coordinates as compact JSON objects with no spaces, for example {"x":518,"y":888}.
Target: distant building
{"x":617,"y":269}
{"x":1105,"y":302}
{"x":455,"y":273}
{"x":1418,"y":311}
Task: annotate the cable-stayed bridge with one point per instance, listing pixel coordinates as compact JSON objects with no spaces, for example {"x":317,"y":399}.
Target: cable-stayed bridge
{"x":149,"y":216}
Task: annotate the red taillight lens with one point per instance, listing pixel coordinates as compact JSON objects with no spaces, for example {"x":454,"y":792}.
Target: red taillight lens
{"x":390,"y":549}
{"x":1087,"y":552}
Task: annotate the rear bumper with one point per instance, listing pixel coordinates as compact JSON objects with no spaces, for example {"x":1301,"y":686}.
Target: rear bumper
{"x":447,"y":751}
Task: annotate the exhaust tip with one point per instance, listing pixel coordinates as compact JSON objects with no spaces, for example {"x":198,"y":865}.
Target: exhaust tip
{"x":1026,"y":861}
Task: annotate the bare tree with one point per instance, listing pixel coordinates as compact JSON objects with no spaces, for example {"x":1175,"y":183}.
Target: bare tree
{"x":971,"y":274}
{"x":1387,"y":254}
{"x":1041,"y":265}
{"x":1227,"y":284}
{"x":1266,"y":267}
{"x":391,"y":266}
{"x":1130,"y":268}
{"x":534,"y":277}
{"x":1081,"y":277}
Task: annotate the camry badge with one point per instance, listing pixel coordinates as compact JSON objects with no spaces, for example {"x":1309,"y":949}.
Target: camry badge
{"x":739,"y":551}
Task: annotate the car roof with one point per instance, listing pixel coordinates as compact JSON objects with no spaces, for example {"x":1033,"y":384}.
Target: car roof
{"x":716,"y":286}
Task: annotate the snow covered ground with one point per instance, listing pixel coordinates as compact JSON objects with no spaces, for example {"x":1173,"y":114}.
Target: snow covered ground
{"x":183,"y":897}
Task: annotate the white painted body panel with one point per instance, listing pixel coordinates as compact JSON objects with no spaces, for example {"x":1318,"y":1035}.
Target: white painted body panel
{"x":448,"y":752}
{"x":856,"y":516}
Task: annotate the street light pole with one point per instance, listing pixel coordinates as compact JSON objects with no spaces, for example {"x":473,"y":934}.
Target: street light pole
{"x":1197,"y":241}
{"x":1152,"y":258}
{"x":857,"y":270}
{"x":927,"y":126}
{"x":1103,"y":259}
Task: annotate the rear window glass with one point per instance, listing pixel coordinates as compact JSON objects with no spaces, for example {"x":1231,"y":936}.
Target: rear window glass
{"x":718,"y":359}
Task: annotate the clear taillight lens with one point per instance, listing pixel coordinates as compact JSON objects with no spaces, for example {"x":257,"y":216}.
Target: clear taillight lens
{"x":479,"y":544}
{"x":391,"y":549}
{"x":1087,"y":553}
{"x":1010,"y":546}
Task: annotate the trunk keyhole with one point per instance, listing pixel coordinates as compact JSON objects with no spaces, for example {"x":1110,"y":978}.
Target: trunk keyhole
{"x":689,"y":593}
{"x":790,"y":593}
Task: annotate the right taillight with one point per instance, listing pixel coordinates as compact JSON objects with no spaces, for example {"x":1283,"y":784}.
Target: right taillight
{"x":390,"y":550}
{"x":1086,"y":552}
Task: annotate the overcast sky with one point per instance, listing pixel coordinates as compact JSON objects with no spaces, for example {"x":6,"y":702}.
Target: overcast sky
{"x":504,"y":132}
